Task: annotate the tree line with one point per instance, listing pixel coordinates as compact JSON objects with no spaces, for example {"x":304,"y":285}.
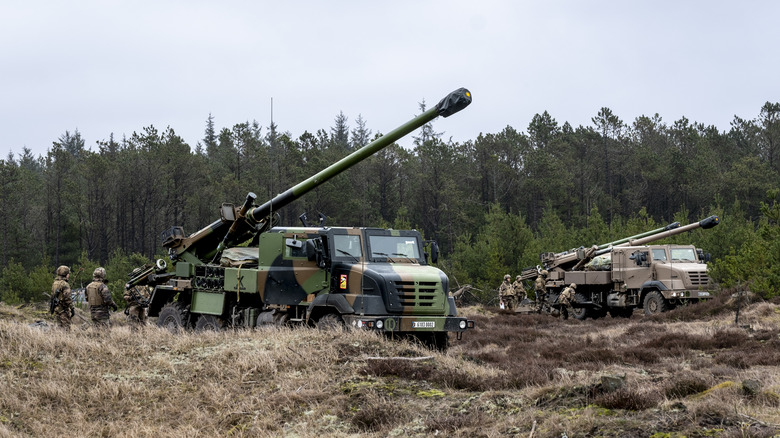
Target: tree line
{"x":493,"y":203}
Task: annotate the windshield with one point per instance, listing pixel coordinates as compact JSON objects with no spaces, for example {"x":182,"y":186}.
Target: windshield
{"x":394,"y":247}
{"x":683,"y":254}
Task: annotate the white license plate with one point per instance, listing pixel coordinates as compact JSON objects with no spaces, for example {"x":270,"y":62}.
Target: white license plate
{"x":423,"y":324}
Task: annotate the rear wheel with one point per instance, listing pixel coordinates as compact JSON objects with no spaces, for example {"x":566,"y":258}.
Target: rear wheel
{"x":655,"y":303}
{"x":265,"y":319}
{"x":209,"y":323}
{"x":580,"y":313}
{"x":173,"y":317}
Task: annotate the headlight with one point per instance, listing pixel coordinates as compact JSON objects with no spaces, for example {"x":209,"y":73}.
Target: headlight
{"x":380,"y":324}
{"x":462,"y":325}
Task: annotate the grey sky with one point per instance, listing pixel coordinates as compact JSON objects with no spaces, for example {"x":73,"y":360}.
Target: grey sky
{"x":107,"y":67}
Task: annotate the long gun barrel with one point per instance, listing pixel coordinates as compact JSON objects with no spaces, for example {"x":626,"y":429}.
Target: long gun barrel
{"x":454,"y":102}
{"x":239,"y":224}
{"x":671,"y":226}
{"x":704,"y":224}
{"x":576,"y":258}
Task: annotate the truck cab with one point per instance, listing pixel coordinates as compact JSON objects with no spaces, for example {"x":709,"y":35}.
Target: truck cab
{"x":675,"y":273}
{"x":364,"y":276}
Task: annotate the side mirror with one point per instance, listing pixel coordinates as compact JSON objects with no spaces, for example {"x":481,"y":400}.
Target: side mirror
{"x":294,"y":243}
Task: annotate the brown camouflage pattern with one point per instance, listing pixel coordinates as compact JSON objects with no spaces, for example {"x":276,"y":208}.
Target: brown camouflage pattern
{"x":100,"y":301}
{"x":519,"y":288}
{"x":61,"y":289}
{"x":136,"y":314}
{"x":506,"y":293}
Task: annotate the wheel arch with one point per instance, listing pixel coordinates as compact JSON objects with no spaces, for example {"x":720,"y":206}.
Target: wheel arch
{"x":328,"y":303}
{"x":650,"y":286}
{"x":161,"y":295}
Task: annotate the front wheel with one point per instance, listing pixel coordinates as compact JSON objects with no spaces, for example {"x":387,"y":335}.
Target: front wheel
{"x":173,"y":317}
{"x":656,"y":303}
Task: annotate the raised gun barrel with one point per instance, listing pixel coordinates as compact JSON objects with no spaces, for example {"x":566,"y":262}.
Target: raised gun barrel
{"x":642,"y":240}
{"x":238,"y":225}
{"x":671,"y":226}
{"x":454,"y":102}
{"x":576,"y":258}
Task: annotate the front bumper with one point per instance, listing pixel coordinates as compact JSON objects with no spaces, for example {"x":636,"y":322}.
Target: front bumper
{"x":410,"y":324}
{"x":689,"y":294}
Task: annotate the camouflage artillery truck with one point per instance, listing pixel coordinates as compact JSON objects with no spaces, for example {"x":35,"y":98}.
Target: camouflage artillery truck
{"x":619,"y":276}
{"x":242,"y":271}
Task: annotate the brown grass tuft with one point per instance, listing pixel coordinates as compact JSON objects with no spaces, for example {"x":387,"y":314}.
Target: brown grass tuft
{"x":683,"y":386}
{"x":627,"y":399}
{"x":680,"y":377}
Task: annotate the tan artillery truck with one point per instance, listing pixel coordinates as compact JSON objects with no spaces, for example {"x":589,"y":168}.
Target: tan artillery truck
{"x":617,"y":277}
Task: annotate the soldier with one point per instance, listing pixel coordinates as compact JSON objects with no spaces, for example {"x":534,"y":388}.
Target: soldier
{"x":539,"y":290}
{"x":137,"y":299}
{"x":60,"y":293}
{"x":100,"y":299}
{"x":519,"y":289}
{"x":506,"y":293}
{"x":565,"y":300}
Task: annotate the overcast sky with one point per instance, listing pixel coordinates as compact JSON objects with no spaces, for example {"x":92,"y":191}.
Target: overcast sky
{"x":103,"y":67}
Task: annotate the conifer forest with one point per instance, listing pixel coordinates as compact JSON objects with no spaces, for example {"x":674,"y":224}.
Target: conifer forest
{"x":493,"y":203}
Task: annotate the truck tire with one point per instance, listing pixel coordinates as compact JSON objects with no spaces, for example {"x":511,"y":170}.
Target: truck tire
{"x":208,"y":323}
{"x":580,"y":313}
{"x":173,"y":317}
{"x":656,"y":303}
{"x":330,"y":322}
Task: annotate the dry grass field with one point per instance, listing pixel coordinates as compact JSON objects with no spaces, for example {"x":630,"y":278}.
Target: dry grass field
{"x":691,"y":372}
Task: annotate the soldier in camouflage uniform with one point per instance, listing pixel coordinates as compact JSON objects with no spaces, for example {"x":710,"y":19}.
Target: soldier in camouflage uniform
{"x":565,"y":300}
{"x":506,"y":293}
{"x":519,"y":289}
{"x":100,"y":299}
{"x":137,"y":301}
{"x":539,"y":290}
{"x":60,"y":290}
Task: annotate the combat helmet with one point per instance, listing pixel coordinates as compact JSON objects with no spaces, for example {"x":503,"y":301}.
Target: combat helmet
{"x":544,"y":272}
{"x":62,"y":271}
{"x":99,"y":273}
{"x":573,"y":286}
{"x":507,"y":277}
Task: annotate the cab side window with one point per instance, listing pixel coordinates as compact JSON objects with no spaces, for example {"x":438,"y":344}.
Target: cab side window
{"x":347,"y":245}
{"x":659,"y":254}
